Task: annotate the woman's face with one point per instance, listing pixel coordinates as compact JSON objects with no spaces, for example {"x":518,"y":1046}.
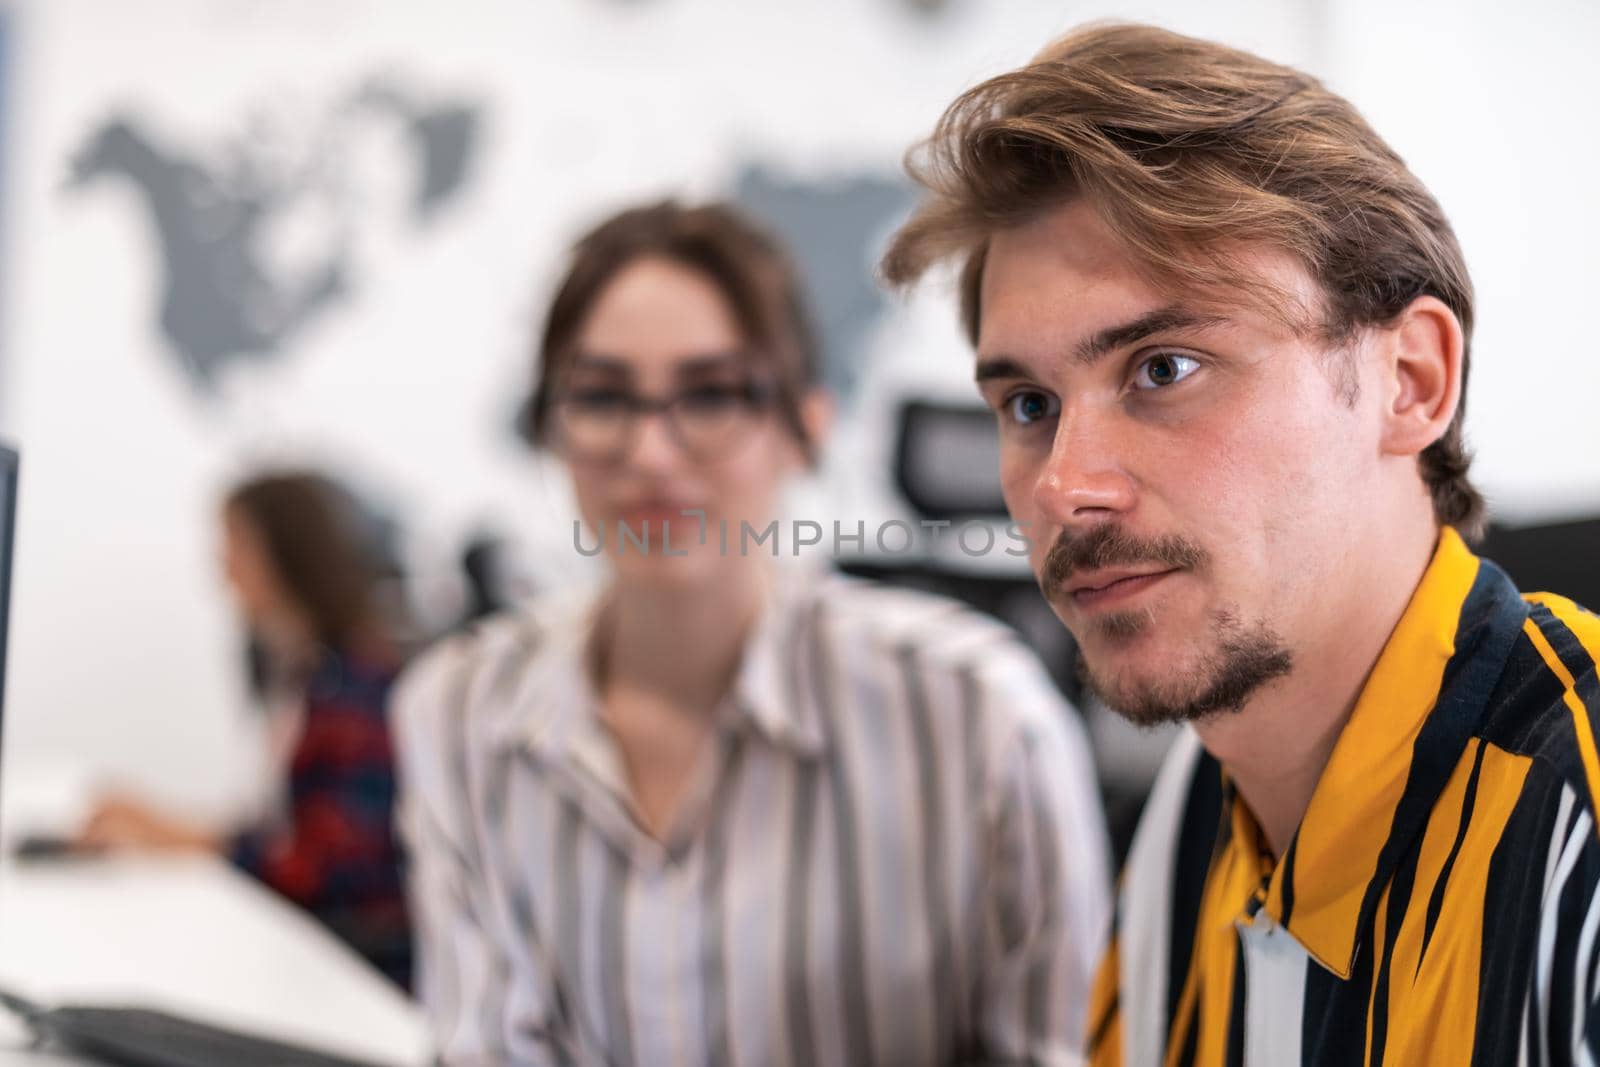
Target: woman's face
{"x":660,"y":331}
{"x":249,"y":571}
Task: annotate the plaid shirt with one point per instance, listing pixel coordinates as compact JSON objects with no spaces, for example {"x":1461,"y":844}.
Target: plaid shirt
{"x":336,"y":854}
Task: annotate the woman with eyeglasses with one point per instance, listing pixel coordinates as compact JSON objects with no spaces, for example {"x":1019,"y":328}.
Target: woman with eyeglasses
{"x":728,"y":808}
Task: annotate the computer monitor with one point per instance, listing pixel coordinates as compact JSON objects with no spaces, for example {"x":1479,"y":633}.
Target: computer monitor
{"x":8,"y":526}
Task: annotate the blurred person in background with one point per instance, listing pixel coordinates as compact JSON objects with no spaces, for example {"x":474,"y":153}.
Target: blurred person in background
{"x":725,"y":808}
{"x":308,"y":580}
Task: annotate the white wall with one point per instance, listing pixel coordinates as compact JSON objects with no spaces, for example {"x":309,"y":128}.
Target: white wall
{"x":1494,"y":107}
{"x":124,"y":650}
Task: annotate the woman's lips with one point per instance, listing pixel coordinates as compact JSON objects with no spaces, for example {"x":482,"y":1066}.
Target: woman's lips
{"x":656,"y":514}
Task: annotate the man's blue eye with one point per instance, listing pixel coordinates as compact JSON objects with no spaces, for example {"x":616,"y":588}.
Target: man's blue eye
{"x":1030,"y":407}
{"x":1164,"y":369}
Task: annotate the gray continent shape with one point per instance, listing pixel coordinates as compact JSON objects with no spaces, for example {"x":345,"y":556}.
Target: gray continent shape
{"x":835,"y":230}
{"x":218,"y":302}
{"x":444,"y":138}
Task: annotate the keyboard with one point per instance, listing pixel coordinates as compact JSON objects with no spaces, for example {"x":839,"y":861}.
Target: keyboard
{"x":138,"y":1037}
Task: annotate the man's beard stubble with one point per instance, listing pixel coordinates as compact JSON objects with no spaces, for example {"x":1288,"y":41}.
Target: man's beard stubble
{"x":1245,"y":657}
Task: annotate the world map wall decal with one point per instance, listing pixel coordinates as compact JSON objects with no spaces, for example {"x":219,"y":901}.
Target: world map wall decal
{"x":226,"y":295}
{"x":223,"y":298}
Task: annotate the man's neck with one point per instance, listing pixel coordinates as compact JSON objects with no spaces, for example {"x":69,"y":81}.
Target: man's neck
{"x":1277,"y":747}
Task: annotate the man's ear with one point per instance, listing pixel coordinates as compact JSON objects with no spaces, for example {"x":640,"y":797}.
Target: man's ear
{"x":1422,"y":354}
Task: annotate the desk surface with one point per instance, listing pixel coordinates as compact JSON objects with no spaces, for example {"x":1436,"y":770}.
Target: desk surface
{"x":193,"y":936}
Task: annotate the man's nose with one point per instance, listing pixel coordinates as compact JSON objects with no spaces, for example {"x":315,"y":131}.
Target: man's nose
{"x":1084,"y":479}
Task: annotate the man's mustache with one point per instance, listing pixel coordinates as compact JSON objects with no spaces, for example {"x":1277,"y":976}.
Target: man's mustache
{"x":1109,"y":545}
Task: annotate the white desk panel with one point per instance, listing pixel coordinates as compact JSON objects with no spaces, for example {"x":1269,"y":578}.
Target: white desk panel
{"x":196,"y":937}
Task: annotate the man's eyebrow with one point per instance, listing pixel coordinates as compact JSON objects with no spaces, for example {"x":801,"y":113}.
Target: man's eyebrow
{"x":998,"y":367}
{"x":1114,"y":337}
{"x":1108,"y":340}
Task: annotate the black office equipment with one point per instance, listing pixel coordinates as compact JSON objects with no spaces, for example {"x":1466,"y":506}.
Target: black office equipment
{"x":947,"y":460}
{"x":138,"y":1037}
{"x":46,"y":848}
{"x":1560,"y":557}
{"x":8,"y":525}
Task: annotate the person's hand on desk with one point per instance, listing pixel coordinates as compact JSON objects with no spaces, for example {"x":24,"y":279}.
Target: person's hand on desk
{"x":120,"y":822}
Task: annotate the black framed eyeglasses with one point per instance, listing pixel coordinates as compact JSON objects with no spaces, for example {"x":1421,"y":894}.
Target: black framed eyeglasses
{"x":600,"y":423}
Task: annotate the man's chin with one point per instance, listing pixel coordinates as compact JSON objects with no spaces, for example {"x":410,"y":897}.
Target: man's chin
{"x":1150,"y":683}
{"x":1137,"y":694}
{"x":1127,"y":642}
{"x":1128,"y":669}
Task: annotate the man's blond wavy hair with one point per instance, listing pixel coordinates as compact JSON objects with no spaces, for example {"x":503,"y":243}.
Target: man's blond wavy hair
{"x":1192,"y":152}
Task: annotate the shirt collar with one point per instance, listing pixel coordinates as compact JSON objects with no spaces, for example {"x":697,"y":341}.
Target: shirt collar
{"x":1413,"y":720}
{"x":777,"y":691}
{"x":553,"y":710}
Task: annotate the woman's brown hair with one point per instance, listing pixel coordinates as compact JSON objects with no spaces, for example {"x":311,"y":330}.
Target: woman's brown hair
{"x":1190,"y":151}
{"x":316,"y":538}
{"x":744,"y":261}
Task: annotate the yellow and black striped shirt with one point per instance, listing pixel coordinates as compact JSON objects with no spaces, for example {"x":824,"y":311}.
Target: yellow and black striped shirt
{"x":1437,"y":905}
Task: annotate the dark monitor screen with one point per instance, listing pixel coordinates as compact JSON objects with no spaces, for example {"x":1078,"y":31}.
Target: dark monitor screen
{"x":947,"y":460}
{"x":8,"y":518}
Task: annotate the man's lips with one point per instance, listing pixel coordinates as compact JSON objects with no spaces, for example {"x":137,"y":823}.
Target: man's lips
{"x":1111,"y":587}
